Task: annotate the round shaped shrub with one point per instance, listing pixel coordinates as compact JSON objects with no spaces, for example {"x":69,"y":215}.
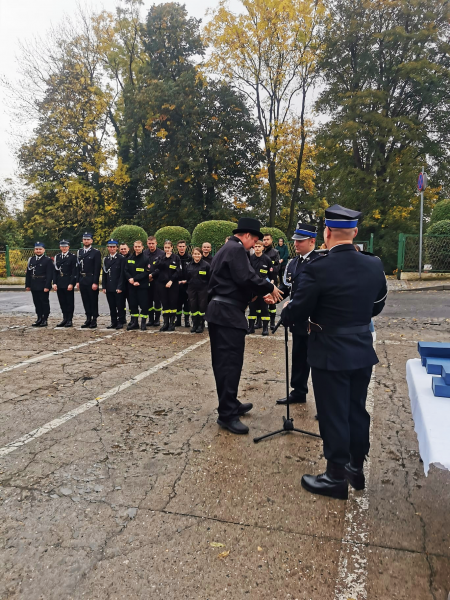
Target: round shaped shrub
{"x":174,"y":234}
{"x":128,"y":234}
{"x":441,"y":212}
{"x":439,"y":228}
{"x":275,"y":233}
{"x":213,"y":232}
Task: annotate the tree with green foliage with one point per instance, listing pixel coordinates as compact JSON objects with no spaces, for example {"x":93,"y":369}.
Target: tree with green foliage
{"x":440,"y":228}
{"x":213,"y":232}
{"x":172,"y":233}
{"x":129,"y":234}
{"x":441,"y":212}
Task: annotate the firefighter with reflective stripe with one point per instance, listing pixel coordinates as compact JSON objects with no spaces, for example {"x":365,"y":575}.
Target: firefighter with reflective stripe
{"x":152,"y":253}
{"x":183,"y":300}
{"x":124,"y":251}
{"x":38,"y":281}
{"x":167,"y":272}
{"x":258,"y":308}
{"x":64,"y":281}
{"x":270,"y":251}
{"x":113,"y":284}
{"x":137,"y":271}
{"x":198,"y":277}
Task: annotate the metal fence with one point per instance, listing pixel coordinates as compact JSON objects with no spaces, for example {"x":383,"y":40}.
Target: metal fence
{"x":435,"y":254}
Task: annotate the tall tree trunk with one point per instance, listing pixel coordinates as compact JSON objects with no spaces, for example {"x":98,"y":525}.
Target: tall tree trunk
{"x":299,"y":166}
{"x":273,"y":191}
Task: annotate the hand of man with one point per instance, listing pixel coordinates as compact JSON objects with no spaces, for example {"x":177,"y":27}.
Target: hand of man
{"x":136,"y":283}
{"x":78,"y":286}
{"x":286,"y":303}
{"x":104,"y":291}
{"x":150,"y":277}
{"x":119,"y":291}
{"x":46,"y":289}
{"x":70,"y":287}
{"x":169,"y":284}
{"x":269,"y":299}
{"x":277,"y":294}
{"x":131,"y":280}
{"x":94,"y":286}
{"x":28,"y":289}
{"x":55,"y":287}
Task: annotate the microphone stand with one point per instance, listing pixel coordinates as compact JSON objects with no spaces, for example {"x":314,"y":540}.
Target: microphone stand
{"x":288,"y":422}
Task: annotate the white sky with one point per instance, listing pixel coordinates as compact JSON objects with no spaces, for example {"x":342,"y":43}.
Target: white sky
{"x":24,"y":19}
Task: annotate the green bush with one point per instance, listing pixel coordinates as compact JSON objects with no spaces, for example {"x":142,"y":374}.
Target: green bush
{"x":174,"y":234}
{"x":128,"y":234}
{"x":441,"y":212}
{"x":213,"y":232}
{"x":439,"y":228}
{"x":275,"y":233}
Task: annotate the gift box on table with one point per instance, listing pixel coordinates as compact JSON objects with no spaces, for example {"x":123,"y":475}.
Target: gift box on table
{"x":440,"y":388}
{"x":436,"y":366}
{"x":434,"y":350}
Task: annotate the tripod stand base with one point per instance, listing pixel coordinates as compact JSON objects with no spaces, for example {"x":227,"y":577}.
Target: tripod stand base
{"x":288,"y":425}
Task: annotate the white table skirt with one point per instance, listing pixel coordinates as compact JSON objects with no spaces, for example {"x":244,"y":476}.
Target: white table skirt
{"x":431,"y":417}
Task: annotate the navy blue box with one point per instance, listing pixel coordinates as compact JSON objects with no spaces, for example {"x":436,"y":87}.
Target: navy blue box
{"x":440,"y":388}
{"x":434,"y":349}
{"x":435,"y":366}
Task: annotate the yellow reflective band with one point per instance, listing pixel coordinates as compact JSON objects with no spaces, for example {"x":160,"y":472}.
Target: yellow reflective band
{"x":172,"y":266}
{"x":132,"y":262}
{"x":154,"y":262}
{"x":262,"y":271}
{"x":251,"y":317}
{"x":202,"y":272}
{"x":137,"y":269}
{"x":265,"y":318}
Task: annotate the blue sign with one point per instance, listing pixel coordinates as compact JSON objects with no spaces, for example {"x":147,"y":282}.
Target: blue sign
{"x":420,"y":183}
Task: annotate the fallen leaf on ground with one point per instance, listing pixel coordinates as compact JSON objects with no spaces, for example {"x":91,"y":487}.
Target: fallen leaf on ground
{"x":259,"y":549}
{"x":217,"y":545}
{"x":223,"y":554}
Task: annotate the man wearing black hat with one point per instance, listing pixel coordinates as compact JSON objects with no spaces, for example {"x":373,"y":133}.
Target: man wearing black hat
{"x":340,"y":292}
{"x":304,"y":241}
{"x":232,"y":285}
{"x":113,"y":284}
{"x":64,"y":281}
{"x":89,"y":264}
{"x":38,"y":281}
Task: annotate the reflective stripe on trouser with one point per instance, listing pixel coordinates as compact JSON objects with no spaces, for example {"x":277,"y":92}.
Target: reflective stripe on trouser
{"x":197,"y":314}
{"x":198,"y":301}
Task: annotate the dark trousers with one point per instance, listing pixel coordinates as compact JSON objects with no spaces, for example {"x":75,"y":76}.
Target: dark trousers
{"x":41,"y":303}
{"x":259,"y":308}
{"x":138,"y":299}
{"x":227,"y":354}
{"x":154,"y":300}
{"x":66,"y":300}
{"x":183,"y":300}
{"x":341,"y":406}
{"x":300,"y":366}
{"x":90,"y":301}
{"x":169,"y":297}
{"x":198,"y":302}
{"x":116,"y":303}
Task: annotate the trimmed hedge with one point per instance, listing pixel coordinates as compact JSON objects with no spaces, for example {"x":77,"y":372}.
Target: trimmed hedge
{"x":129,"y":234}
{"x":275,"y":233}
{"x":213,"y":232}
{"x":172,"y":233}
{"x":441,"y":212}
{"x":440,"y":228}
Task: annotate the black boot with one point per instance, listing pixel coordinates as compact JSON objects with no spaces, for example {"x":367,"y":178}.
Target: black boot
{"x":87,"y":323}
{"x":143,"y":324}
{"x":133,"y":324}
{"x":37,"y":323}
{"x":265,"y":330}
{"x":120,"y":325}
{"x":258,"y":323}
{"x":235,"y":426}
{"x":69,"y":323}
{"x":355,"y":474}
{"x":151,"y":318}
{"x":272,"y":321}
{"x":63,"y":322}
{"x":112,"y":325}
{"x":165,"y":325}
{"x":194,"y":324}
{"x":186,"y":321}
{"x":157,"y":322}
{"x":178,"y":321}
{"x":44,"y":322}
{"x":332,"y":483}
{"x":93,"y":324}
{"x":251,"y":326}
{"x":172,"y":323}
{"x":201,"y":325}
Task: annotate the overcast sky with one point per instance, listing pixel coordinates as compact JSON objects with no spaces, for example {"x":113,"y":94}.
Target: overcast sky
{"x":23,"y":19}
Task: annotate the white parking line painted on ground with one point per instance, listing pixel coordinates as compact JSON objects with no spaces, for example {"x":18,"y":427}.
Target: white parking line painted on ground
{"x":36,"y":359}
{"x":40,"y":431}
{"x":352,"y":569}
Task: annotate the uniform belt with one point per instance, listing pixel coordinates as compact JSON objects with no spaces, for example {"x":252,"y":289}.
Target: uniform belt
{"x":38,"y":276}
{"x":339,"y":330}
{"x":86,"y":274}
{"x":227,"y":300}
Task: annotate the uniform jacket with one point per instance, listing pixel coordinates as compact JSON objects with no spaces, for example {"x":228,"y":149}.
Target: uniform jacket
{"x":113,"y":277}
{"x":152,"y":256}
{"x":343,"y":288}
{"x":198,"y":275}
{"x":167,"y":269}
{"x":275,"y":258}
{"x":89,"y":265}
{"x":185,"y":260}
{"x":233,"y":276}
{"x":208,"y":258}
{"x":292,"y":276}
{"x":262,"y":265}
{"x":39,"y":273}
{"x":138,"y":268}
{"x":65,"y":270}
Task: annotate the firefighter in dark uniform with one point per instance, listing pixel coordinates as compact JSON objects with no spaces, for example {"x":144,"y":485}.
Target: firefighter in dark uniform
{"x":183,"y":300}
{"x":89,"y":265}
{"x":340,"y":292}
{"x":38,"y":281}
{"x":206,"y":252}
{"x":232,"y":286}
{"x":258,"y":308}
{"x":198,"y":273}
{"x":270,"y":251}
{"x":304,"y":241}
{"x":124,"y":250}
{"x":137,"y":270}
{"x":167,"y":272}
{"x":64,"y":282}
{"x":152,"y":253}
{"x":113,"y":284}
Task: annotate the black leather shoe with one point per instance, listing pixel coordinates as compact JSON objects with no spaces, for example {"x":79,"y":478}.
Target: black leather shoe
{"x":43,"y":323}
{"x":326,"y":485}
{"x":62,"y":324}
{"x":86,"y":324}
{"x":69,"y":323}
{"x":355,"y":477}
{"x":112,"y":326}
{"x":316,"y":417}
{"x":245,"y":408}
{"x":93,"y":324}
{"x":234,"y":426}
{"x":292,"y":400}
{"x":37,"y":323}
{"x":120,"y":325}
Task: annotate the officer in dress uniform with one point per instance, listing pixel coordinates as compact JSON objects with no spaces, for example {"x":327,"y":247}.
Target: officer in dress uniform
{"x":304,"y":241}
{"x":340,"y":292}
{"x":183,"y":299}
{"x":232,"y":286}
{"x":38,"y":281}
{"x":89,"y":264}
{"x":152,"y":253}
{"x":64,"y":281}
{"x":270,"y":251}
{"x":113,"y":284}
